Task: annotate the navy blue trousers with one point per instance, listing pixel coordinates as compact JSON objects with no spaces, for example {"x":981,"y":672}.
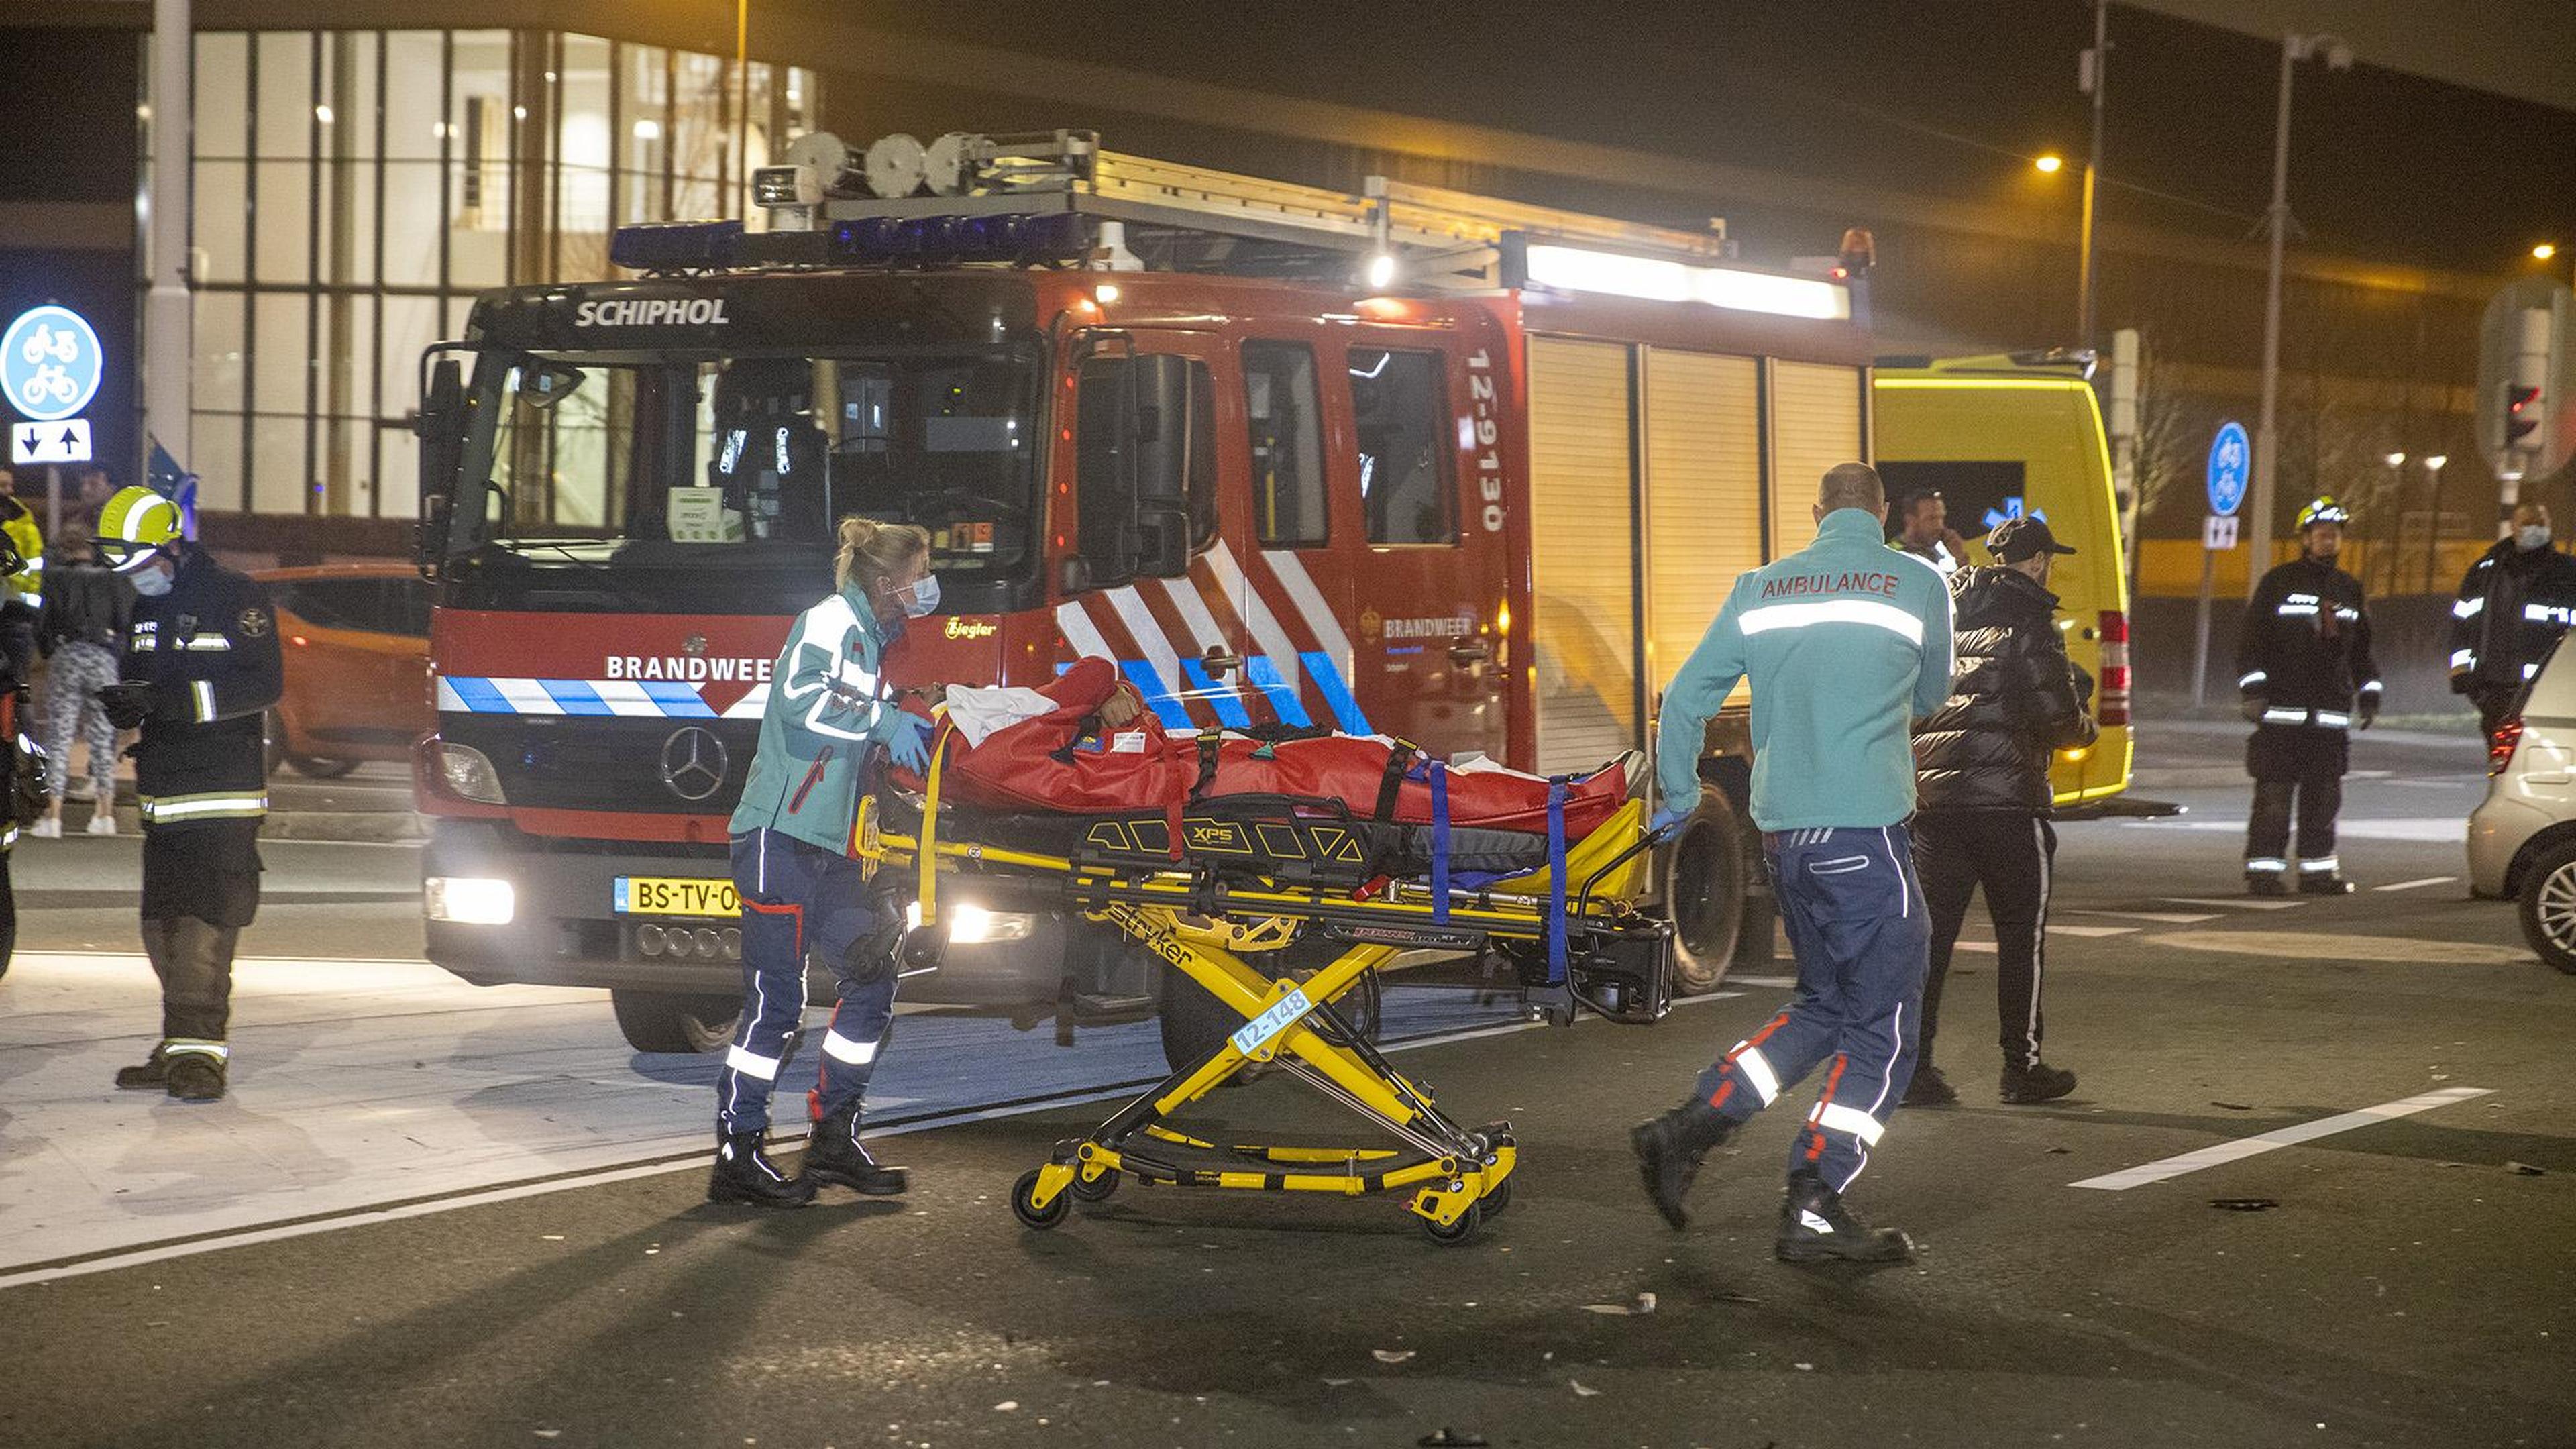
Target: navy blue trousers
{"x":1862,"y":934}
{"x":798,"y":899}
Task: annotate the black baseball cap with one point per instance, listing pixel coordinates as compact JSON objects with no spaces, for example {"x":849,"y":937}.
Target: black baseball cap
{"x":2016,"y":539}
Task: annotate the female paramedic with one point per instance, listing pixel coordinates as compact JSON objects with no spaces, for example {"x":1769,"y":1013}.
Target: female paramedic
{"x":828,"y":721}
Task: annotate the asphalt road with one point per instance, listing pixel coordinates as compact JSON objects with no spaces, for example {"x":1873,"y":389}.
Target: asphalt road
{"x":2405,"y":1286}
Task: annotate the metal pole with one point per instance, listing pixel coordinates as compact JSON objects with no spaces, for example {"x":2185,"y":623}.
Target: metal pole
{"x":2266,"y":439}
{"x":169,"y":343}
{"x":2092,"y":169}
{"x":742,"y":106}
{"x":2200,"y":632}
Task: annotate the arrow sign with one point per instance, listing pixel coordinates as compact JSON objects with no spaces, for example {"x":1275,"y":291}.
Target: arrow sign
{"x":65,"y":442}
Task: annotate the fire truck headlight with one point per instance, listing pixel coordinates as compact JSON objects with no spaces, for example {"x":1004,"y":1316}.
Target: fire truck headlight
{"x":468,"y":900}
{"x":976,"y":926}
{"x":467,"y":772}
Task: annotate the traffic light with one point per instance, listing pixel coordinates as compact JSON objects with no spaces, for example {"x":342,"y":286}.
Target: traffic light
{"x":2522,"y":413}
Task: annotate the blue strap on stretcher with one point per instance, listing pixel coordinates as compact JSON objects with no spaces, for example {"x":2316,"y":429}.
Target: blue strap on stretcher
{"x":1556,"y":793}
{"x":1439,"y":843}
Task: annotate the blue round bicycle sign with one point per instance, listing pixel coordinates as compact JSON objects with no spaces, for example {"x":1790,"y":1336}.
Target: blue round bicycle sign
{"x":50,"y":363}
{"x":2231,"y":466}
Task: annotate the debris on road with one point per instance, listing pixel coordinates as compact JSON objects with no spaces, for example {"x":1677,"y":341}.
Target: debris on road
{"x":1447,"y":1438}
{"x":1583,"y":1390}
{"x":1644,"y":1304}
{"x":2244,"y":1204}
{"x":1391,"y":1355}
{"x":2524,"y":1169}
{"x":2232,"y":1106}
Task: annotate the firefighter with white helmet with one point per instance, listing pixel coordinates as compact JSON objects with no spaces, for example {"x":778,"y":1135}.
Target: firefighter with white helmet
{"x":2305,"y":670}
{"x":200,"y":670}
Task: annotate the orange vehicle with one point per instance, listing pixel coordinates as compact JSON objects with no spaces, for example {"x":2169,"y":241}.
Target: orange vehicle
{"x":357,"y":666}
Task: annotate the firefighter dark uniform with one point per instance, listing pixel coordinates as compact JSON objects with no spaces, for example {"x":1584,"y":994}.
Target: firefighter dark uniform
{"x":2513,"y":605}
{"x":201,"y":668}
{"x":2305,"y":670}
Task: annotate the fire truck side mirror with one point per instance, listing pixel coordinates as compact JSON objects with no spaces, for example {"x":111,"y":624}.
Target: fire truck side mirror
{"x":441,"y":426}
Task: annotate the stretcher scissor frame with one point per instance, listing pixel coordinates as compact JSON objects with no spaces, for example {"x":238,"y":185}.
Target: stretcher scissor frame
{"x":1454,"y":1175}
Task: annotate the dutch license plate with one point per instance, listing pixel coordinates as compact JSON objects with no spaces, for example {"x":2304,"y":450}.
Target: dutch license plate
{"x":644,"y":895}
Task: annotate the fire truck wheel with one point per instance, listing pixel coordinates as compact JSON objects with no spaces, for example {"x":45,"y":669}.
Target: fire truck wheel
{"x":1703,"y":881}
{"x":320,"y":769}
{"x":663,"y":1021}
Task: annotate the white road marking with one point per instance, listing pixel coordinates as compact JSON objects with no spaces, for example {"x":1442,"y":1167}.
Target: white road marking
{"x":2237,"y":903}
{"x":2161,"y":918}
{"x":1780,"y":983}
{"x":2226,"y":1152}
{"x":2447,"y":830}
{"x":2408,"y":885}
{"x":2344,"y":949}
{"x":2056,"y":930}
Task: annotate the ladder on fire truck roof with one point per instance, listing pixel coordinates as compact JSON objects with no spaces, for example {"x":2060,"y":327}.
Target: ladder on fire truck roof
{"x":1194,"y":217}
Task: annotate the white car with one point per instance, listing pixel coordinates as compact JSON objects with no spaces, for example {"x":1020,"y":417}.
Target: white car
{"x":2522,"y":838}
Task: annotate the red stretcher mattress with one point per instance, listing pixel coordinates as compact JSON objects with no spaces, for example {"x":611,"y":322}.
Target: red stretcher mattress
{"x":1065,"y":761}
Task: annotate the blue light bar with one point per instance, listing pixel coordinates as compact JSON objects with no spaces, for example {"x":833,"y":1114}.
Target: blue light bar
{"x":933,"y":240}
{"x":671,"y":245}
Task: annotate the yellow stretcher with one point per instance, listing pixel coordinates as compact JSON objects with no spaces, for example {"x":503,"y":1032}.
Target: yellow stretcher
{"x":1207,"y":916}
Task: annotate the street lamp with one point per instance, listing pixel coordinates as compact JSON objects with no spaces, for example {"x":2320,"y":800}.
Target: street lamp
{"x":2338,"y":56}
{"x":2543,"y":252}
{"x":2050,"y":164}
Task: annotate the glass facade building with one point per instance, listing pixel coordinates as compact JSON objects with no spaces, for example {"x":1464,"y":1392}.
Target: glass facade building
{"x":354,"y":190}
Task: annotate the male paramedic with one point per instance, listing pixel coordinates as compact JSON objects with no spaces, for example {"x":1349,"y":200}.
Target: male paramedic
{"x":1845,"y":643}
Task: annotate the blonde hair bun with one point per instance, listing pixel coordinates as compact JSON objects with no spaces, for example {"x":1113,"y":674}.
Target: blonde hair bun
{"x":875,"y":550}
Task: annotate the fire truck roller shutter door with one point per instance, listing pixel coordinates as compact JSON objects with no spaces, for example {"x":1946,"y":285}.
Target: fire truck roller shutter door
{"x":1703,"y":494}
{"x":1582,"y":539}
{"x":1815,"y":424}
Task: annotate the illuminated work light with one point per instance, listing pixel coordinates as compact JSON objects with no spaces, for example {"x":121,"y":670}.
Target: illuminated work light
{"x":1575,"y":269}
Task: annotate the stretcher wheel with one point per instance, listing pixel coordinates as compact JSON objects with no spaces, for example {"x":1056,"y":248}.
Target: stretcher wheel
{"x":1096,"y":1189}
{"x":1500,"y":1198}
{"x":1458,"y":1232}
{"x":1024,"y":1203}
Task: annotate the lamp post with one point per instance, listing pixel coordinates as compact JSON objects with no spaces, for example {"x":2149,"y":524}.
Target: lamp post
{"x":2337,"y":56}
{"x":2396,"y":503}
{"x":169,"y":319}
{"x":2433,"y":513}
{"x":2090,"y":81}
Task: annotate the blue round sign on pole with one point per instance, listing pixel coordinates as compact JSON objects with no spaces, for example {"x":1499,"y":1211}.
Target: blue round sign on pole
{"x":50,"y":363}
{"x":2231,"y":467}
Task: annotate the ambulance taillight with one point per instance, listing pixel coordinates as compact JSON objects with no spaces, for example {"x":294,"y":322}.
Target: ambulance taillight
{"x":2113,"y":708}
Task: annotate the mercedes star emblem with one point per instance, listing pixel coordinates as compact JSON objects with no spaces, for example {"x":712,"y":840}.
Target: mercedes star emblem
{"x":694,"y":763}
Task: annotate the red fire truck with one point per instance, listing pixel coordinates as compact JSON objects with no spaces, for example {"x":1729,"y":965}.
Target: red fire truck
{"x":1410,"y":462}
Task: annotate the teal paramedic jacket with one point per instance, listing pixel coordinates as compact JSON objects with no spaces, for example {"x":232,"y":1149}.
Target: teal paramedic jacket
{"x":825,"y":713}
{"x":1845,"y":641}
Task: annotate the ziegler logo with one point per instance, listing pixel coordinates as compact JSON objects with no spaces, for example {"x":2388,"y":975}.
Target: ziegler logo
{"x":652,"y":312}
{"x":969,"y":629}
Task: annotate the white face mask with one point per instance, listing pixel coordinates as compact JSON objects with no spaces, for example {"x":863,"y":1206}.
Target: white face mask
{"x":921,"y":598}
{"x":2532,"y":535}
{"x":151,"y":581}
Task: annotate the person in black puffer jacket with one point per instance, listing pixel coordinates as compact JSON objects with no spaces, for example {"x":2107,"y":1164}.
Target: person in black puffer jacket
{"x":1983,"y":795}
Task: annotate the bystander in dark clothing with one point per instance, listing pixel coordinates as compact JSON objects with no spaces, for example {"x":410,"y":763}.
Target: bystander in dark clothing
{"x":1981,"y":776}
{"x":2515,"y":602}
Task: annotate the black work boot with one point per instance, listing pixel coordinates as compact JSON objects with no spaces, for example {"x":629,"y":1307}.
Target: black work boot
{"x":1669,"y":1149}
{"x":833,"y":1157}
{"x":2323,"y":883}
{"x":1929,"y":1088}
{"x":195,"y":1077}
{"x":2038,"y":1082}
{"x":152,"y":1075}
{"x":744,"y":1174}
{"x":2265,"y":883}
{"x":1815,"y":1227}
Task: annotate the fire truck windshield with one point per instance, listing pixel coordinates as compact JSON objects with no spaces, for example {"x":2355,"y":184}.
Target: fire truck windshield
{"x":745,"y":451}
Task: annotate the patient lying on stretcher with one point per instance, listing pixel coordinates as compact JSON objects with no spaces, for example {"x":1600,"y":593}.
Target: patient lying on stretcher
{"x":1086,"y":746}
